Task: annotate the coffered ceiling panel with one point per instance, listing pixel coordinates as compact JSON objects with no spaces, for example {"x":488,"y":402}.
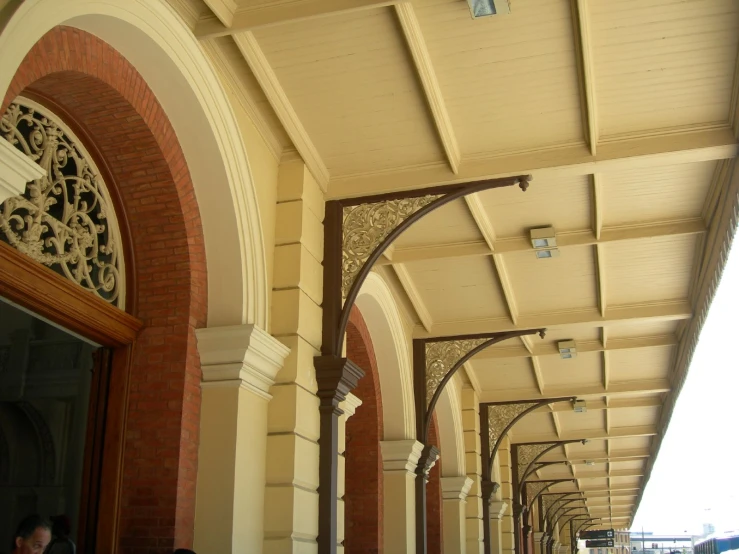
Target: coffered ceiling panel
{"x":580,"y":423}
{"x":634,"y":417}
{"x":353,"y":86}
{"x":640,"y":363}
{"x":585,"y":369}
{"x":465,"y":289}
{"x":663,"y":63}
{"x":649,"y":270}
{"x":505,"y":374}
{"x":652,"y":194}
{"x":562,"y":202}
{"x":555,"y":284}
{"x":509,"y":82}
{"x":448,"y":225}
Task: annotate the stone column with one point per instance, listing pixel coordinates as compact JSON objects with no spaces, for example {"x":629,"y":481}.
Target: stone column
{"x":239,"y":366}
{"x":16,"y":169}
{"x":508,"y":542}
{"x":349,"y":407}
{"x":454,"y":492}
{"x":399,"y":462}
{"x":497,"y":510}
{"x":291,"y":497}
{"x":471,"y":427}
{"x":540,"y":542}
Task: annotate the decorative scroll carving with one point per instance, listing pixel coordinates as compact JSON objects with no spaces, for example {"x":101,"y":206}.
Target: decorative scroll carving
{"x":441,"y":357}
{"x":527,"y":453}
{"x":367,"y":225}
{"x":535,"y":487}
{"x":500,"y":416}
{"x":65,"y":220}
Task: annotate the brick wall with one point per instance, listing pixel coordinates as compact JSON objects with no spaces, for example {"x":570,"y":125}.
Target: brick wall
{"x":434,"y":523}
{"x":363,"y":497}
{"x":110,"y":102}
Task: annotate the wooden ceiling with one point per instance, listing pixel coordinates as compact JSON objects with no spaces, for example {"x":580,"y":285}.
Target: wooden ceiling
{"x":624,"y":112}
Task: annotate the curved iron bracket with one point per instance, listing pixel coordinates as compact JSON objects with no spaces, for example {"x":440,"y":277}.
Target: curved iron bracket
{"x":357,"y":232}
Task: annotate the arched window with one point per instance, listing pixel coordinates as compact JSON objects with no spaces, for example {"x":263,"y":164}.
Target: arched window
{"x":64,"y":220}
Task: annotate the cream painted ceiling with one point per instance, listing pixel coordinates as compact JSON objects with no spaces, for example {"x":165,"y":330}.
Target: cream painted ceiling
{"x":625,"y":113}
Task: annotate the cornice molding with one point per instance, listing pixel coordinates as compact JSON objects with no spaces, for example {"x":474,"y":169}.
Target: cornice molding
{"x":16,"y":169}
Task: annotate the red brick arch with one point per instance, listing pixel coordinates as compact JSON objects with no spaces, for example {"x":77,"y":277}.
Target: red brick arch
{"x":363,"y":498}
{"x":108,"y":99}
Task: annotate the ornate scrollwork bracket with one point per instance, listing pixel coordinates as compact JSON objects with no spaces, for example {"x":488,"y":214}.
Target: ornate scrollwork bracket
{"x":536,"y":489}
{"x":357,"y":232}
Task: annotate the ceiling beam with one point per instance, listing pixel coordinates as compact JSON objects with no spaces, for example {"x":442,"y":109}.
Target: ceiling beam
{"x":585,"y":69}
{"x":427,"y":75}
{"x":583,"y":347}
{"x":230,"y":17}
{"x":604,"y":474}
{"x":592,"y":434}
{"x":564,"y":240}
{"x":618,"y":154}
{"x":280,"y":103}
{"x":635,"y":313}
{"x":620,"y":455}
{"x":630,"y":388}
{"x":414,"y":296}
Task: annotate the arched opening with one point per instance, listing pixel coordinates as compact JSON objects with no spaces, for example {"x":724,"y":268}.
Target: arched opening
{"x":434,"y":514}
{"x":94,"y":89}
{"x":363,"y":532}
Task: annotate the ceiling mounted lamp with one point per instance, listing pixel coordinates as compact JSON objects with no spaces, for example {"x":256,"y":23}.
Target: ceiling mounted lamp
{"x":579,"y":407}
{"x":544,"y":241}
{"x":567,"y":349}
{"x":589,"y":463}
{"x":485,"y":8}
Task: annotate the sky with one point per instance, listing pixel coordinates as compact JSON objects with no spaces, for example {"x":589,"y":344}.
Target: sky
{"x":695,"y":478}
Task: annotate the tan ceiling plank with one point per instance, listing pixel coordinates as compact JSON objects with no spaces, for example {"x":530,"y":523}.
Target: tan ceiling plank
{"x":414,"y":296}
{"x":629,"y":152}
{"x":583,"y":347}
{"x":280,"y":103}
{"x":564,"y":240}
{"x":247,"y":17}
{"x":734,"y":105}
{"x":643,"y":387}
{"x":427,"y":76}
{"x":586,"y":72}
{"x":605,"y":474}
{"x":637,"y":313}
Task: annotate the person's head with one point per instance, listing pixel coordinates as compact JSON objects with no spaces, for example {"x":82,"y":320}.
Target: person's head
{"x":33,"y":535}
{"x":60,"y":526}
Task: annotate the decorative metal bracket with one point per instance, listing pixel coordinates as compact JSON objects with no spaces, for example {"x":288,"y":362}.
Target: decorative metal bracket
{"x":356,"y":233}
{"x":523,"y":456}
{"x":556,"y":503}
{"x":496,"y":420}
{"x":435,"y":361}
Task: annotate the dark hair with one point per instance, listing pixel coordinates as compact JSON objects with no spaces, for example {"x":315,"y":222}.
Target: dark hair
{"x":28,"y":526}
{"x":183,"y":551}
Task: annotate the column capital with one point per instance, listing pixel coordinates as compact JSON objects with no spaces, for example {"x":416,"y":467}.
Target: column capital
{"x":401,"y":455}
{"x":16,"y":169}
{"x":497,"y":509}
{"x":455,"y":488}
{"x":350,"y":404}
{"x":539,"y":536}
{"x":240,"y":355}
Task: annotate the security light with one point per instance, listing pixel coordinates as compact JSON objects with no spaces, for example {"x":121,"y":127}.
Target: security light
{"x":484,"y":8}
{"x":543,"y":237}
{"x":579,"y":406}
{"x":589,"y":463}
{"x":567,"y":349}
{"x":543,"y":254}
